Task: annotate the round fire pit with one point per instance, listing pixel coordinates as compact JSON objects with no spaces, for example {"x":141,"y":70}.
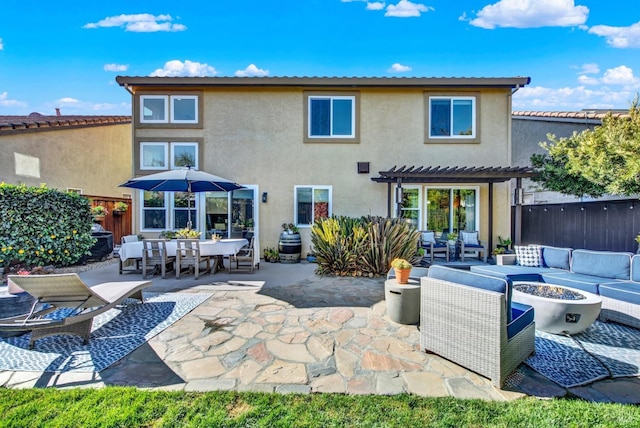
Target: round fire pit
{"x":558,"y":309}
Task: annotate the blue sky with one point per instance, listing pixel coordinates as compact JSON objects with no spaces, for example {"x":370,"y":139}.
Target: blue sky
{"x":579,"y":53}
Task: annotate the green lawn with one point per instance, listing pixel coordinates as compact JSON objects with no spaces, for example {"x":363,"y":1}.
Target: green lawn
{"x":131,"y":407}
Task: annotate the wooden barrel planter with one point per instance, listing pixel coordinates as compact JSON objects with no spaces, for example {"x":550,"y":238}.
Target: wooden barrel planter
{"x":289,"y":247}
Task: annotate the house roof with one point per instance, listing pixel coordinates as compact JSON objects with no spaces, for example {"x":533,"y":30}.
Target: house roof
{"x":583,"y":116}
{"x":348,"y":82}
{"x":39,"y":122}
{"x":455,"y":174}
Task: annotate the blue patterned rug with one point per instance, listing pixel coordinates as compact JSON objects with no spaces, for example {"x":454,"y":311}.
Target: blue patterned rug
{"x":604,"y":350}
{"x":115,"y":334}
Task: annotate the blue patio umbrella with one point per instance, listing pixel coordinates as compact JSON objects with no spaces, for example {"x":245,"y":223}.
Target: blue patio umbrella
{"x":182,"y":180}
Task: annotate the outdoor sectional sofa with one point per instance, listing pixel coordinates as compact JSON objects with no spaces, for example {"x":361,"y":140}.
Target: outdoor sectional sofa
{"x":615,"y":276}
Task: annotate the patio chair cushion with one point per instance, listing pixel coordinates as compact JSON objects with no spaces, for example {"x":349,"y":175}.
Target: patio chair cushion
{"x":605,"y":264}
{"x":555,"y":257}
{"x":470,"y":238}
{"x":490,"y":283}
{"x":428,"y":238}
{"x":624,"y":291}
{"x":528,"y":255}
{"x":521,"y":316}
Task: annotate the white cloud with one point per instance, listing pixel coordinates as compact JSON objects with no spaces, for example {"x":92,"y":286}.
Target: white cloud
{"x":74,"y":106}
{"x":587,"y":80}
{"x":590,"y":68}
{"x":1,"y":44}
{"x":531,"y":14}
{"x":6,"y":102}
{"x":621,"y":75}
{"x":375,"y":5}
{"x":177,"y":68}
{"x":399,"y":68}
{"x":252,"y":71}
{"x":139,"y":23}
{"x":406,"y":9}
{"x":619,"y":37}
{"x":115,"y":67}
{"x":539,"y":98}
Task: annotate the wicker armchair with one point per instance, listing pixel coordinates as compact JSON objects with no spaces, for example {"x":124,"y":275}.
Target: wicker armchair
{"x":464,"y":318}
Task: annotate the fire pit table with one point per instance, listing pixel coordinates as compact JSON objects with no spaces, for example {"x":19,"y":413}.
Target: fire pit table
{"x":558,"y":309}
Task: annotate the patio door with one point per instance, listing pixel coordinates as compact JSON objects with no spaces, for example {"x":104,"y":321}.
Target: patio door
{"x":233,"y":214}
{"x":452,"y":209}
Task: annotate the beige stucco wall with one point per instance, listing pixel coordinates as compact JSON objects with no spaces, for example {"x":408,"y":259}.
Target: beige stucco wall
{"x":255,"y":137}
{"x":95,"y":159}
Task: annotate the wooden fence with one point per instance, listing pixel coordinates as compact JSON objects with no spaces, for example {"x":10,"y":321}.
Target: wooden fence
{"x":602,"y":225}
{"x":117,"y":222}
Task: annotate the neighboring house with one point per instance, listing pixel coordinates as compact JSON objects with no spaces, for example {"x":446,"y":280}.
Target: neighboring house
{"x":90,"y":155}
{"x":311,"y":147}
{"x":530,"y":128}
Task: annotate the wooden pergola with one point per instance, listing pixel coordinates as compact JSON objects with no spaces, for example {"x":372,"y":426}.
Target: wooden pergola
{"x":467,"y":175}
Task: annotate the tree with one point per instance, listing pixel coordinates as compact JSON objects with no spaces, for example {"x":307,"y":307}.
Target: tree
{"x":594,"y":162}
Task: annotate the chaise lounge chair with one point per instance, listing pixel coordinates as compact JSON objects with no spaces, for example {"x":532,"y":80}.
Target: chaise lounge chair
{"x":58,"y":291}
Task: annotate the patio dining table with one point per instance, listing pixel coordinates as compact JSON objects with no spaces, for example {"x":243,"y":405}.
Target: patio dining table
{"x":219,"y":249}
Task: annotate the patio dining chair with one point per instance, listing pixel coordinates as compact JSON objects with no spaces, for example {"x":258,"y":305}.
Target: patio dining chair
{"x":244,"y":259}
{"x":137,"y":261}
{"x":154,"y":255}
{"x":188,"y":256}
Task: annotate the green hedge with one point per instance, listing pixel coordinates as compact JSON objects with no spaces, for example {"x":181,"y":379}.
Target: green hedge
{"x":43,"y":227}
{"x":364,"y":246}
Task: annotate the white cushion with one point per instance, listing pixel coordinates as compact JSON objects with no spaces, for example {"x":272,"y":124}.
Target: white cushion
{"x":470,"y":238}
{"x":528,"y":256}
{"x":428,"y":238}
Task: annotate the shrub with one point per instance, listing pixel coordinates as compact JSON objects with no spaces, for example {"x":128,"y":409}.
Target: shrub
{"x":362,"y":246}
{"x":41,"y":226}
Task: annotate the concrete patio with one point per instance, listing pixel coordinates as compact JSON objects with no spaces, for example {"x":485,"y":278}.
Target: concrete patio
{"x":285,"y":329}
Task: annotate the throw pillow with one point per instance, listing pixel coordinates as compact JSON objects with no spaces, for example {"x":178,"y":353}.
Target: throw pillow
{"x":428,"y":238}
{"x":470,"y":238}
{"x":528,"y":256}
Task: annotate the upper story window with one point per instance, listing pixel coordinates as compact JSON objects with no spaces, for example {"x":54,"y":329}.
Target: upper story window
{"x":331,"y":117}
{"x":161,"y":155}
{"x":169,"y":109}
{"x":452,"y":117}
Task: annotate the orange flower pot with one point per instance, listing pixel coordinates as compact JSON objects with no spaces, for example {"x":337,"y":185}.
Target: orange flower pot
{"x":402,"y":275}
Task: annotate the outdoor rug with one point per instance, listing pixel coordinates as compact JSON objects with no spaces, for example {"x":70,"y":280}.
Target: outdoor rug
{"x":604,"y":350}
{"x":115,"y":334}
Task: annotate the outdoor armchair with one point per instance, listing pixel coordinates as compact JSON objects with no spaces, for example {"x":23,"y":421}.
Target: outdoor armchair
{"x":469,"y":319}
{"x":432,"y":246}
{"x":470,"y":244}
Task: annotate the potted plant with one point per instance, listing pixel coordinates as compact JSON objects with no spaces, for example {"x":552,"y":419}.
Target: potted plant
{"x":452,"y":237}
{"x":638,"y":241}
{"x":402,"y":269}
{"x":99,"y":212}
{"x":290,"y":244}
{"x":120,"y":207}
{"x":504,"y":243}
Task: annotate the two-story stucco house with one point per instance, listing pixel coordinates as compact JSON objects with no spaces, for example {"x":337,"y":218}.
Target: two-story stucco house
{"x":308,"y":147}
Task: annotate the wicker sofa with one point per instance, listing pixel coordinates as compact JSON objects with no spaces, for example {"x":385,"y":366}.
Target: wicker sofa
{"x":469,"y":319}
{"x":615,"y":276}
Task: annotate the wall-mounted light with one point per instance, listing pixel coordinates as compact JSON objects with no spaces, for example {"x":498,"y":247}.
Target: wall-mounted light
{"x":561,"y":208}
{"x":631,"y":206}
{"x":605,"y":208}
{"x":545,"y":209}
{"x":264,"y":197}
{"x":581,"y":208}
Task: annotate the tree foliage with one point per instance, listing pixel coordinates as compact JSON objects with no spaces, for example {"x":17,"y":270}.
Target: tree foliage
{"x":594,"y":162}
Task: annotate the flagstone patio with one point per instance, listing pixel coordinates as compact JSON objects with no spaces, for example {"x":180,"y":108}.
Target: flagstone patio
{"x":285,"y":329}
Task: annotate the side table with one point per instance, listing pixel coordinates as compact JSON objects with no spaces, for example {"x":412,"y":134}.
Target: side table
{"x":403,"y":301}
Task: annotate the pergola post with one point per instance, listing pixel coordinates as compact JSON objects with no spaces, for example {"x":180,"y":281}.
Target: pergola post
{"x":490,"y":231}
{"x":517,"y":220}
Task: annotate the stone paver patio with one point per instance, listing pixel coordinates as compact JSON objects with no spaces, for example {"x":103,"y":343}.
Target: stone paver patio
{"x":317,"y":334}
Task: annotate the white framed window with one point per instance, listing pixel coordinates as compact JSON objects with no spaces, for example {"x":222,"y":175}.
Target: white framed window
{"x":184,"y":108}
{"x":184,"y":154}
{"x":154,"y":156}
{"x":331,"y":116}
{"x":153,"y":210}
{"x":154,"y":108}
{"x":452,"y":117}
{"x":311,"y":203}
{"x":411,"y":205}
{"x":167,"y":210}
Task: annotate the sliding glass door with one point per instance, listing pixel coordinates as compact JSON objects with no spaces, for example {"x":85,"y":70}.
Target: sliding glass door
{"x":452,"y":209}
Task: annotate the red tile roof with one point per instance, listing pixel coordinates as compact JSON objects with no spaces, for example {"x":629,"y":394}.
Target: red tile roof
{"x":39,"y":122}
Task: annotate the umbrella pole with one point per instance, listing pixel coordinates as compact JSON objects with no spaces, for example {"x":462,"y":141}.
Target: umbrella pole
{"x":189,"y":223}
